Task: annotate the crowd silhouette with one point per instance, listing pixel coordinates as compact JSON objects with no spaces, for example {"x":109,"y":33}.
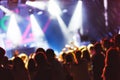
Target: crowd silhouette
{"x":98,"y":61}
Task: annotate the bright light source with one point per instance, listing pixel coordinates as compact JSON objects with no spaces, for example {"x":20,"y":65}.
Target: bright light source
{"x":76,"y":20}
{"x":76,"y":39}
{"x":13,"y":32}
{"x":40,"y":13}
{"x":37,"y":4}
{"x":7,"y":11}
{"x":53,"y":8}
{"x":37,"y":32}
{"x":2,"y":36}
{"x":105,"y":14}
{"x":64,"y":29}
{"x":105,"y":4}
{"x":40,"y":40}
{"x":65,"y":11}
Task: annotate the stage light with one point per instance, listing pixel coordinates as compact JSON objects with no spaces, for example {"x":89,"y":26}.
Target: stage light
{"x":64,"y":29}
{"x":38,"y":33}
{"x":40,"y":13}
{"x":13,"y":31}
{"x":65,"y":11}
{"x":105,"y":13}
{"x":76,"y":20}
{"x":7,"y":11}
{"x":53,"y":8}
{"x":37,"y":4}
{"x":105,"y":4}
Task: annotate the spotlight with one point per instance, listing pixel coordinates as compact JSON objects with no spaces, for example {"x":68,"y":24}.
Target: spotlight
{"x":36,"y":29}
{"x":76,"y":20}
{"x":65,"y":11}
{"x":31,"y":11}
{"x":38,"y":34}
{"x":13,"y":32}
{"x":53,"y":8}
{"x":40,"y":13}
{"x":37,"y":4}
{"x":5,"y":10}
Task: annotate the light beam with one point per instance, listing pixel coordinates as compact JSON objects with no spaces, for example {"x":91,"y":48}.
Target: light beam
{"x":76,"y":20}
{"x":13,"y":32}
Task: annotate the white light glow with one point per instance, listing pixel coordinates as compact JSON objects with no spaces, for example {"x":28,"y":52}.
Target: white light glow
{"x":37,"y":32}
{"x":64,"y":29}
{"x":13,"y":32}
{"x":105,"y":13}
{"x":37,"y":4}
{"x":53,"y":8}
{"x":40,"y":13}
{"x":7,"y":11}
{"x":76,"y":20}
{"x":2,"y":36}
{"x":65,"y":11}
{"x":40,"y":40}
{"x":105,"y":4}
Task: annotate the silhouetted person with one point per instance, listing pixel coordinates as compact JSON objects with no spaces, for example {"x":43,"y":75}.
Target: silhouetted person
{"x":98,"y":62}
{"x":57,"y":69}
{"x":31,"y":68}
{"x":5,"y":72}
{"x":106,"y":44}
{"x":43,"y":71}
{"x":40,"y":50}
{"x":87,"y":58}
{"x":80,"y":70}
{"x":112,"y":65}
{"x":19,"y":70}
{"x":86,"y":55}
{"x":69,"y":61}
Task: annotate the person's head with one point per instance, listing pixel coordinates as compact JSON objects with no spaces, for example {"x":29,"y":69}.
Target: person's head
{"x":91,"y":49}
{"x":106,"y":44}
{"x":40,"y":50}
{"x":24,"y":57}
{"x":78,"y":56}
{"x":2,"y":53}
{"x":18,"y":63}
{"x":40,"y":59}
{"x":86,"y":55}
{"x":98,"y":48}
{"x":63,"y":56}
{"x":31,"y":65}
{"x":50,"y":54}
{"x":69,"y":58}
